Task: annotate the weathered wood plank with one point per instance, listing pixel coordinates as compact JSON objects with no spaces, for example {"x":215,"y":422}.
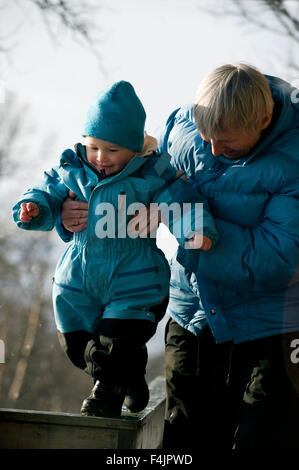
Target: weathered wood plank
{"x":23,"y":429}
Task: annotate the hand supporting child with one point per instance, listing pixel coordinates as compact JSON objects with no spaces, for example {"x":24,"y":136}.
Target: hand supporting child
{"x":28,"y":211}
{"x":200,"y":242}
{"x":74,"y":219}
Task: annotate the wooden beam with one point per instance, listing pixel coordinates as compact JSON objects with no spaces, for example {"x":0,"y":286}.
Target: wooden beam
{"x":23,"y":429}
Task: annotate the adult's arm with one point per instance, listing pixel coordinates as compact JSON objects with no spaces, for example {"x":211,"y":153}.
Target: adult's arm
{"x":193,"y":216}
{"x":267,"y":254}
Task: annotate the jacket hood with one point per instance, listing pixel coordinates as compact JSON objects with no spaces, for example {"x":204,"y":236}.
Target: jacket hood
{"x":284,"y":96}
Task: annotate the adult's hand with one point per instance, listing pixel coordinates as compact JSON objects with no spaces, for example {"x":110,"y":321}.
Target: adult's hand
{"x":74,"y":214}
{"x":145,"y":223}
{"x":199,"y":242}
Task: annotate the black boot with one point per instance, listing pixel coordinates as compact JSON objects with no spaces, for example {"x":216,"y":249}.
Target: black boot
{"x":137,"y":395}
{"x":105,"y":400}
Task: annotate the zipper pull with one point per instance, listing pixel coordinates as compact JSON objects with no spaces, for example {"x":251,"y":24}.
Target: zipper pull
{"x":102,"y":174}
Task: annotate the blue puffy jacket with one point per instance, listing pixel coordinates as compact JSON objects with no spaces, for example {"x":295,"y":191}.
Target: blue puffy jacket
{"x":248,"y":286}
{"x":104,"y":273}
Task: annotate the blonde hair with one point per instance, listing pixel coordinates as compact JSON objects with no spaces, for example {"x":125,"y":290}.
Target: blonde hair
{"x":232,"y":96}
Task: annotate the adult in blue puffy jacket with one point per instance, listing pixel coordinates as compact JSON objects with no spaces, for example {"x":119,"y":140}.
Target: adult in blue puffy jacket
{"x":232,"y":343}
{"x":111,"y":287}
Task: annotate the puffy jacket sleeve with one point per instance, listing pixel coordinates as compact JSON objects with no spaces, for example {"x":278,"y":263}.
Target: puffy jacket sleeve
{"x":64,"y":234}
{"x":188,"y":191}
{"x":267,"y":254}
{"x":184,"y":210}
{"x":48,"y":196}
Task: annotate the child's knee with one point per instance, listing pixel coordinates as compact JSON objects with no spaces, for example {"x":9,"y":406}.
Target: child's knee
{"x":73,"y":344}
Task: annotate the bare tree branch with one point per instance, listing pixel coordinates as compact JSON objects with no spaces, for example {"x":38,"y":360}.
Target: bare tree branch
{"x":71,"y":16}
{"x":75,"y":16}
{"x":289,"y":23}
{"x":260,"y":13}
{"x":253,"y":10}
{"x":29,"y":340}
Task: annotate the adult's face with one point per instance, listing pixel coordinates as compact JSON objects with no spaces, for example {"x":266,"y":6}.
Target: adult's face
{"x":236,"y":143}
{"x":233,"y":144}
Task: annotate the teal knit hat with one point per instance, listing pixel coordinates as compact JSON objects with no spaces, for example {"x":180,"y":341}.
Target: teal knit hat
{"x":117,"y":115}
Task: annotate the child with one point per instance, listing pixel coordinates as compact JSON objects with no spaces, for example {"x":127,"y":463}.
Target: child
{"x":110,"y":290}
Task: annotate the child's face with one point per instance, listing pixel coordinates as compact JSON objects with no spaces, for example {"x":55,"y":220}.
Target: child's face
{"x":106,"y":156}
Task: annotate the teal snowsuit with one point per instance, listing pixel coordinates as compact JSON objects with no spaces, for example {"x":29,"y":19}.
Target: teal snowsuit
{"x":115,"y":276}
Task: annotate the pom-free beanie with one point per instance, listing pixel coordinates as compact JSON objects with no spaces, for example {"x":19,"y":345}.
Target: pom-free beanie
{"x":117,"y":116}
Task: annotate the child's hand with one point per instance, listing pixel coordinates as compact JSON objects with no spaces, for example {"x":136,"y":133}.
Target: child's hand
{"x":200,"y":242}
{"x":28,"y":211}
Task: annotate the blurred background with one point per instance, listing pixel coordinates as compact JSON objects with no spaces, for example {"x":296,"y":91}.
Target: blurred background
{"x":54,"y":57}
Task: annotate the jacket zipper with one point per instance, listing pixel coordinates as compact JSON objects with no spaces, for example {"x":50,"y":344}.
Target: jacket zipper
{"x":100,"y":174}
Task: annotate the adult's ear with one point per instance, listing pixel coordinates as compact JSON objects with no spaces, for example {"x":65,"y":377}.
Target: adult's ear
{"x":266,"y":120}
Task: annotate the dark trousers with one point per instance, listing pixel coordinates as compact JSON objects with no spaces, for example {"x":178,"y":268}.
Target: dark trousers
{"x":117,"y":352}
{"x":226,"y":396}
{"x":264,"y":382}
{"x":197,"y":403}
